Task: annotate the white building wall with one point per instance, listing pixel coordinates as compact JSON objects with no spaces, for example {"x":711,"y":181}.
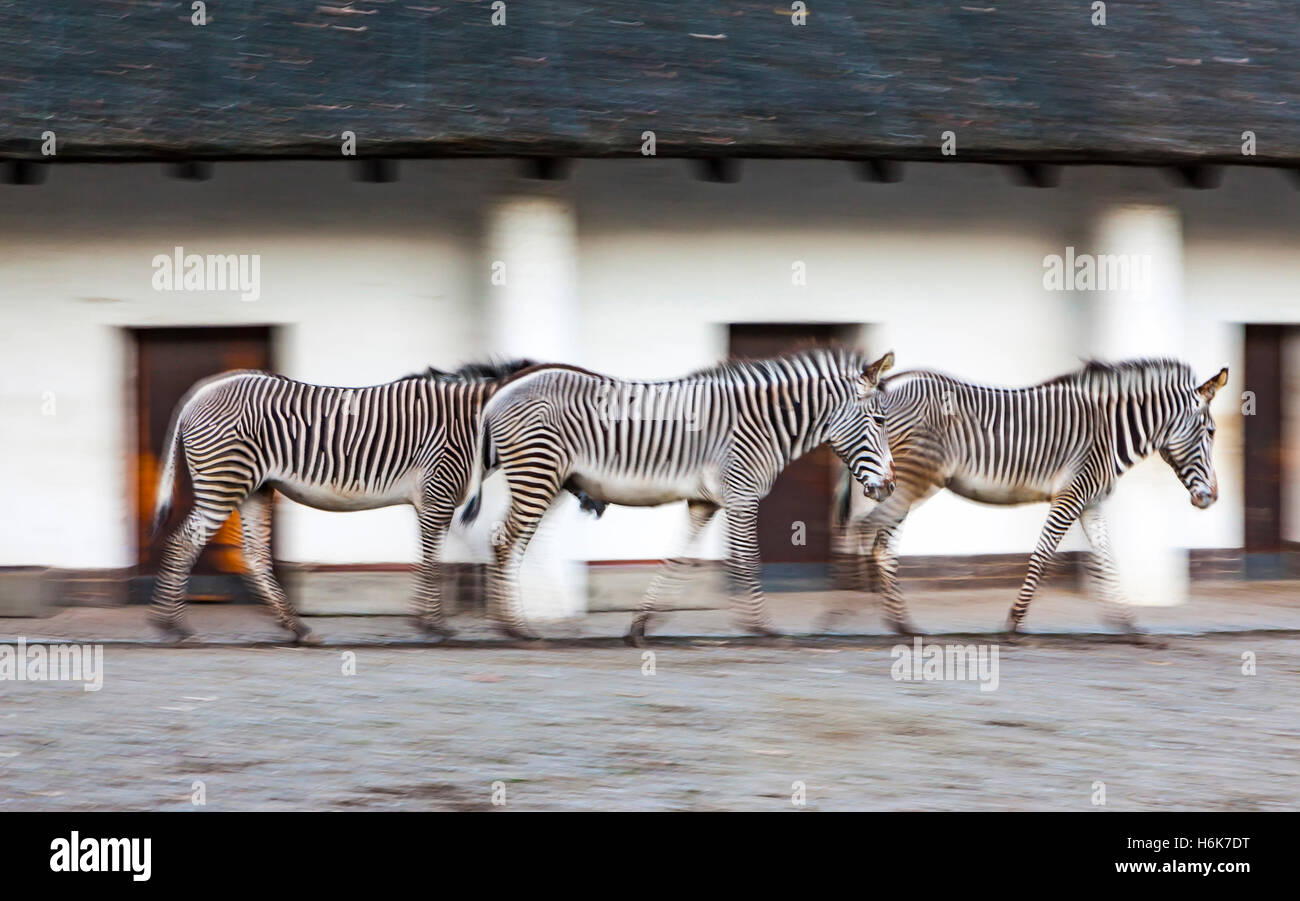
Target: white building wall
{"x":369,"y":282}
{"x":947,"y":264}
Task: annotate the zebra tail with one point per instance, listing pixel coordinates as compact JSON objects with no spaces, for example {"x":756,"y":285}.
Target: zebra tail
{"x":844,"y":499}
{"x":470,"y":513}
{"x":482,"y":469}
{"x":167,"y":480}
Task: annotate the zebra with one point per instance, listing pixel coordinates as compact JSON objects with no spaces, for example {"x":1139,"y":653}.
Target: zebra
{"x":245,"y":434}
{"x":1065,"y":441}
{"x":717,"y":438}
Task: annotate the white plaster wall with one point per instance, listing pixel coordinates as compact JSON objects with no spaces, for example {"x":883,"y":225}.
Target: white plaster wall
{"x":369,"y":282}
{"x":948,"y":264}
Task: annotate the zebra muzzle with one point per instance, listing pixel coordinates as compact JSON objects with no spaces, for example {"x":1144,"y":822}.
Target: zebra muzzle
{"x":878,"y":491}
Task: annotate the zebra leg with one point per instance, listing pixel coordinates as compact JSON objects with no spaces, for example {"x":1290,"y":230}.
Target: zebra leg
{"x":1065,"y":509}
{"x":868,"y":569}
{"x":854,"y":569}
{"x":670,"y":578}
{"x":880,"y":527}
{"x":255,"y":522}
{"x":435,"y":516}
{"x":1101,"y":563}
{"x":212,"y":507}
{"x":531,"y":494}
{"x":743,"y":564}
{"x":886,"y":565}
{"x":846,"y":562}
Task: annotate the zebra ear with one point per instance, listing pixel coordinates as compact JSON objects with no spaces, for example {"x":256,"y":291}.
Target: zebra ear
{"x":1211,"y":387}
{"x":873,"y":372}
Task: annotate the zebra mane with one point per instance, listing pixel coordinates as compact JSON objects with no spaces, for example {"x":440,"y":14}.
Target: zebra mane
{"x":838,"y":357}
{"x":1119,"y":372}
{"x":1125,"y":372}
{"x":484,"y":370}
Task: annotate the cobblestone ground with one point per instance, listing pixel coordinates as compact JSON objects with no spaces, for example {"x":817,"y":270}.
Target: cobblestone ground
{"x":719,"y":725}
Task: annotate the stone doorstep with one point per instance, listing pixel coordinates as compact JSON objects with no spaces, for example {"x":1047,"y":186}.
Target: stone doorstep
{"x":609,"y":588}
{"x":26,"y":591}
{"x":327,"y":593}
{"x":37,"y":591}
{"x":40,"y":591}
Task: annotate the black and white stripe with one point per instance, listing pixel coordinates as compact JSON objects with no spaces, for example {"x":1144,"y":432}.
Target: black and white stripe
{"x":1065,"y":441}
{"x":244,"y":435}
{"x":717,"y":438}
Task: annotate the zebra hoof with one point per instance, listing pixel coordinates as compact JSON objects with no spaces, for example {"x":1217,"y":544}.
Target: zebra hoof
{"x":519,"y":633}
{"x":1143,"y":640}
{"x":635,"y":636}
{"x":903,"y":627}
{"x":763,"y":630}
{"x":436,"y":630}
{"x":307,"y":638}
{"x":180,"y":634}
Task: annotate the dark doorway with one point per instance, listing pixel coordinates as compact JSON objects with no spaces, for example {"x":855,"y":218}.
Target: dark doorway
{"x":804,"y":492}
{"x":1263,"y":439}
{"x":167,"y":362}
{"x":1269,"y":554}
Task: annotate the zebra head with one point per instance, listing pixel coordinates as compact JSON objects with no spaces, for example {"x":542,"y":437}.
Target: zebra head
{"x":1190,"y":439}
{"x":857,"y":433}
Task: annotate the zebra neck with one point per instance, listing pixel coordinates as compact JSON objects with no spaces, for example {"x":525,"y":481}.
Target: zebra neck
{"x":1135,"y":435}
{"x":815,"y":433}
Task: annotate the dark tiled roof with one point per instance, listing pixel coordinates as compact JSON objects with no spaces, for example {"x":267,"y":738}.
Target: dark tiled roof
{"x":1016,"y":80}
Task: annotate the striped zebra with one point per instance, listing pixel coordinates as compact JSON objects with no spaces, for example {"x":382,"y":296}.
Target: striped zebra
{"x":246,"y":434}
{"x":717,"y":438}
{"x":1065,"y":441}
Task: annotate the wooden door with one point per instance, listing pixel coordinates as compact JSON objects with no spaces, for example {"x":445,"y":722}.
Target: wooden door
{"x":1263,"y":440}
{"x":168,"y":361}
{"x":804,"y":492}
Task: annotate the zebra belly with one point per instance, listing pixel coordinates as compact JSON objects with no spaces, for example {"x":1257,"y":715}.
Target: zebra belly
{"x":988,"y":491}
{"x":341,"y":500}
{"x":638,"y":491}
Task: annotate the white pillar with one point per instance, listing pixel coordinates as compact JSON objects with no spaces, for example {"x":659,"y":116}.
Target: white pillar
{"x":1143,"y":318}
{"x":532,"y":311}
